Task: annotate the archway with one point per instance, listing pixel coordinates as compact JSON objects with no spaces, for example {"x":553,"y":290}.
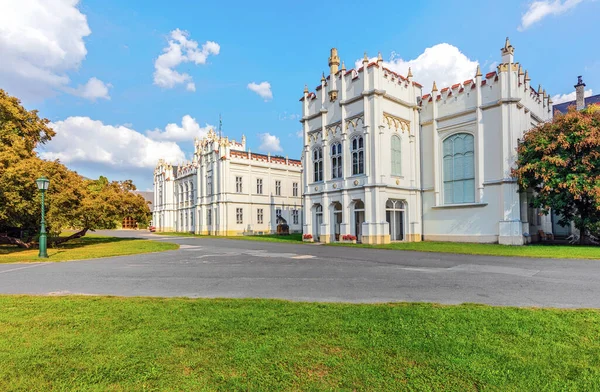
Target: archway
{"x":318,"y":221}
{"x":394,"y":215}
{"x":359,"y":218}
{"x":337,"y":220}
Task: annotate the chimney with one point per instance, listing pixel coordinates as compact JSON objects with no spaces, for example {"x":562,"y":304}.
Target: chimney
{"x":579,"y":93}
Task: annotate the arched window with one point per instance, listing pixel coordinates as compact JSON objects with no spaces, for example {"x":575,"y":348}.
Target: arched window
{"x":191,"y":191}
{"x":318,"y":164}
{"x":336,"y":160}
{"x":186,"y":195}
{"x":459,"y":169}
{"x":358,"y":155}
{"x":396,"y":156}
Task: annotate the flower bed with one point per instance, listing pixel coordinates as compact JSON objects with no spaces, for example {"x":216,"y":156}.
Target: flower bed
{"x":307,"y":238}
{"x":349,"y":238}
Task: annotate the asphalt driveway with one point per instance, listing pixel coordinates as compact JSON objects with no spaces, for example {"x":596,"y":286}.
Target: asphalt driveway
{"x":205,"y":267}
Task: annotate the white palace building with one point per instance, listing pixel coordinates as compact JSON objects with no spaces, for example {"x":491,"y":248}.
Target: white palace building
{"x":381,"y":161}
{"x":385,"y":163}
{"x":226,"y":190}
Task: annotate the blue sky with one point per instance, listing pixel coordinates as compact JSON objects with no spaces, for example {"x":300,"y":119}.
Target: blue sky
{"x":90,"y":66}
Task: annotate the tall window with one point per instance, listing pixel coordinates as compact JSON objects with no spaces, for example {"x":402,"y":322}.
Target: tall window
{"x":318,"y":164}
{"x":187,"y":194}
{"x":295,"y":189}
{"x":191,"y":191}
{"x":238,"y":184}
{"x":209,"y":217}
{"x":278,"y":213}
{"x":336,"y":160}
{"x":239,"y":216}
{"x":459,"y":173}
{"x":396,"y":156}
{"x":209,"y":185}
{"x":358,"y":155}
{"x":259,"y":216}
{"x":295,"y":219}
{"x":278,"y":188}
{"x":259,"y":186}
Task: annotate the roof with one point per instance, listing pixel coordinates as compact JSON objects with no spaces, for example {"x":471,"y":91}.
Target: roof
{"x":148,"y":195}
{"x":563,"y":107}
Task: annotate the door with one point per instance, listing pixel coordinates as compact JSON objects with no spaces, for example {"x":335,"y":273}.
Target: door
{"x":359,"y":218}
{"x":557,"y":229}
{"x":317,"y":228}
{"x":395,"y":220}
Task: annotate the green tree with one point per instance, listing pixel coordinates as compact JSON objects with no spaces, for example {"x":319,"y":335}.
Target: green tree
{"x":72,"y":201}
{"x":560,"y":162}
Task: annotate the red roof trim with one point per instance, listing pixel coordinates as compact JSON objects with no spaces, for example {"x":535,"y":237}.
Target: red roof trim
{"x":490,"y":74}
{"x":417,"y":84}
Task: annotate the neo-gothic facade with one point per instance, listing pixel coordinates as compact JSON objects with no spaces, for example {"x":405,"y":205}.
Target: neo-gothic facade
{"x":386,"y":163}
{"x":226,"y":190}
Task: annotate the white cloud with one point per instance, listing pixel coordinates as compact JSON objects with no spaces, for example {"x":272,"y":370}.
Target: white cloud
{"x":83,"y":140}
{"x":40,"y":42}
{"x":188,"y":130}
{"x":263,"y":89}
{"x":289,"y":116}
{"x":92,"y":90}
{"x":560,"y":98}
{"x":300,"y":134}
{"x":269,"y":143}
{"x":444,"y":63}
{"x":181,"y":49}
{"x":538,"y":10}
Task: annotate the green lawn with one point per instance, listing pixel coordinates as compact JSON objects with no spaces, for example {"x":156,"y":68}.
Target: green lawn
{"x":88,"y":247}
{"x":135,"y":344}
{"x":292,"y":238}
{"x":534,"y":250}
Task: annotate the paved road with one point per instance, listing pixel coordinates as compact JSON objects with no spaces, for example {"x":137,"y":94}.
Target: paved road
{"x":227,"y":268}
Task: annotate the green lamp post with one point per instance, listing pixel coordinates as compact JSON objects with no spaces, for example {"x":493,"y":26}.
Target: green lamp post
{"x":42,"y":184}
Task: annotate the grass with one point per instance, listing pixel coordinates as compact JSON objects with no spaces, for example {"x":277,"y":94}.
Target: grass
{"x":88,"y":247}
{"x":292,"y":238}
{"x":135,"y":344}
{"x":554,"y":251}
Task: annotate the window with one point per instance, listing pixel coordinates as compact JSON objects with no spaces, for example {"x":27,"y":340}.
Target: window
{"x":318,"y":164}
{"x":239,"y":216}
{"x":259,"y":186}
{"x":358,"y":155}
{"x":277,"y":188}
{"x":295,"y":219}
{"x":192,"y":192}
{"x":396,"y":156}
{"x":238,"y":184}
{"x":192,"y":219}
{"x":459,"y":173}
{"x":259,"y":216}
{"x":209,"y":217}
{"x":336,"y":160}
{"x":278,"y":213}
{"x":209,"y":185}
{"x":295,"y":189}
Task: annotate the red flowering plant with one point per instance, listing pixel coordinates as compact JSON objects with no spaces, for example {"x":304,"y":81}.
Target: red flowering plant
{"x":307,"y":236}
{"x":349,"y":237}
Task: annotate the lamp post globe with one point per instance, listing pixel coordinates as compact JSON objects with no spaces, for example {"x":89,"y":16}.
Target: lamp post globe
{"x":43,"y":183}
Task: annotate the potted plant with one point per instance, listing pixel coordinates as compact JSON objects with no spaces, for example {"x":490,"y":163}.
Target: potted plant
{"x":349,"y":239}
{"x":307,"y":238}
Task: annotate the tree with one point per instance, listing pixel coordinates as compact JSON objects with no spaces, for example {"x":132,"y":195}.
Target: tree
{"x":560,"y":162}
{"x":72,"y":201}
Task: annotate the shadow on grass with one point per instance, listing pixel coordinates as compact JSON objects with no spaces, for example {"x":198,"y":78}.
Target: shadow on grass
{"x":72,"y":244}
